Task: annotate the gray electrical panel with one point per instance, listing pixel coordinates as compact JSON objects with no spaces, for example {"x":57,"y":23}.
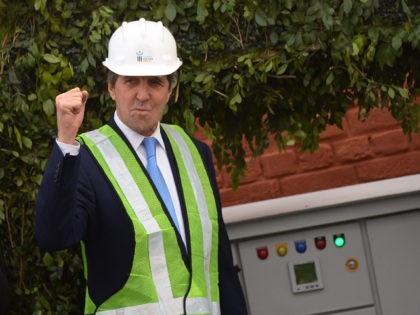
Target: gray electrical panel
{"x":394,"y":242}
{"x":354,"y":252}
{"x":342,"y":271}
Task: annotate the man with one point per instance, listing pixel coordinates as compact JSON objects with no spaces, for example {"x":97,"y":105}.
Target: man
{"x":150,"y":245}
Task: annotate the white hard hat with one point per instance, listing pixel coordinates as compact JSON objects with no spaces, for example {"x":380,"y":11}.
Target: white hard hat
{"x":142,"y":48}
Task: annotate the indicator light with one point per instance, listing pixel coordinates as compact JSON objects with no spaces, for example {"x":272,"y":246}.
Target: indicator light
{"x":339,"y":240}
{"x":352,"y":264}
{"x":320,"y":242}
{"x":262,"y":252}
{"x":300,"y":246}
{"x":281,"y":249}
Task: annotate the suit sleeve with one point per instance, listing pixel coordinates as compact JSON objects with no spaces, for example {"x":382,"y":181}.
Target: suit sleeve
{"x":60,"y":218}
{"x":76,"y":202}
{"x":232,"y":300}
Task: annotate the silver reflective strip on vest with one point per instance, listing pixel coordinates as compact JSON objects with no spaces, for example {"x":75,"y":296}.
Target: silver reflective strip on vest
{"x":133,"y":310}
{"x":201,"y":202}
{"x":194,"y":306}
{"x":135,"y":198}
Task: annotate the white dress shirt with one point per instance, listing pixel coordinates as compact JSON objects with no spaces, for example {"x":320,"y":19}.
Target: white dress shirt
{"x":135,"y":139}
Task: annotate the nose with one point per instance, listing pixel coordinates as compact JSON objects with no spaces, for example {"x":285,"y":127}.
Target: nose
{"x":142,"y":92}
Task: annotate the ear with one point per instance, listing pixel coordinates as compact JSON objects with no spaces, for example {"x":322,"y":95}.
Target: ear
{"x":111,"y":91}
{"x":169,"y":95}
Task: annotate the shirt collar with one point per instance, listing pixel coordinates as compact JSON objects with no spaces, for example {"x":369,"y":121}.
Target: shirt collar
{"x":133,"y":137}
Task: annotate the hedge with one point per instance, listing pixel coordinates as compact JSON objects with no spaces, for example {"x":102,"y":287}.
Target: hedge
{"x":250,"y":70}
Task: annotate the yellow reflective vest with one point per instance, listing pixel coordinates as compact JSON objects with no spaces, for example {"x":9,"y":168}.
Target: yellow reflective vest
{"x":160,"y":282}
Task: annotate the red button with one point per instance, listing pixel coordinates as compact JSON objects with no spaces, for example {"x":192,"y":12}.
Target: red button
{"x":320,"y":242}
{"x":262,"y":252}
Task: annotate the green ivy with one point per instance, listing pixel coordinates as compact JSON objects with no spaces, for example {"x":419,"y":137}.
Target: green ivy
{"x":250,"y":70}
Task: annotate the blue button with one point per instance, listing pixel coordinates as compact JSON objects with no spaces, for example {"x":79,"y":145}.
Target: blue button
{"x":300,"y":246}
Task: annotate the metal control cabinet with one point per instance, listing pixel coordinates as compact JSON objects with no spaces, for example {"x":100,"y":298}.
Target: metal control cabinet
{"x":395,"y":250}
{"x":343,"y":288}
{"x":290,"y":264}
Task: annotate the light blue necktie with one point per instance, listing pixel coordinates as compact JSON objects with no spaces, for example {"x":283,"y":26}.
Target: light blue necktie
{"x":155,"y":174}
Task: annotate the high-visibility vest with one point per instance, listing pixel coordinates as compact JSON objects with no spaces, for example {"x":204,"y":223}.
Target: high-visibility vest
{"x":160,"y":283}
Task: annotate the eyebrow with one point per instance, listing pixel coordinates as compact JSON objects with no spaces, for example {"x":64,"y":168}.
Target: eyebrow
{"x":147,"y":76}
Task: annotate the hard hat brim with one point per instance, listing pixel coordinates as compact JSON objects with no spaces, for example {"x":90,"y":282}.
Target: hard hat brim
{"x":143,"y":69}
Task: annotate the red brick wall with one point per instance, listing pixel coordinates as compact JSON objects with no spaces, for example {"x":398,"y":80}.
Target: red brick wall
{"x":364,"y":151}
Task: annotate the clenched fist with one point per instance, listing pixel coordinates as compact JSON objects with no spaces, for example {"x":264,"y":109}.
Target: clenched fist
{"x":70,"y":112}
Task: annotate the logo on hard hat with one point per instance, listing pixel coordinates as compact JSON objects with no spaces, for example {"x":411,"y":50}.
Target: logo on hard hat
{"x":143,"y":58}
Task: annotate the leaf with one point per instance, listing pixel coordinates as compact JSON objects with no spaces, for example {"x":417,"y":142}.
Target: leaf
{"x":330,"y":78}
{"x":84,"y":65}
{"x":48,"y":260}
{"x":47,"y":77}
{"x":347,"y":6}
{"x":196,"y":101}
{"x":282,"y":69}
{"x":202,"y":13}
{"x":403,"y":92}
{"x":396,"y":42}
{"x":51,"y":58}
{"x":274,"y":38}
{"x":32,"y":97}
{"x":370,"y":54}
{"x":260,"y":18}
{"x":233,"y":101}
{"x":13,"y":77}
{"x":314,"y":9}
{"x":199,"y":78}
{"x":19,"y":181}
{"x":269,"y":66}
{"x":170,"y":12}
{"x":291,"y":40}
{"x":391,"y":93}
{"x":18,"y":136}
{"x":95,"y":36}
{"x":48,"y":107}
{"x":190,"y":121}
{"x":27,"y":142}
{"x":208,"y":78}
{"x":355,"y":47}
{"x":405,"y":8}
{"x":67,"y":73}
{"x":39,"y":5}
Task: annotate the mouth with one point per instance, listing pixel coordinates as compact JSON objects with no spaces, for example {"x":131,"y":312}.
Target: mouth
{"x":141,"y":106}
{"x":141,"y":110}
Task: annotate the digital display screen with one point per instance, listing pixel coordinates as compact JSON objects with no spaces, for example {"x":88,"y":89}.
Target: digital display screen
{"x":305,"y":273}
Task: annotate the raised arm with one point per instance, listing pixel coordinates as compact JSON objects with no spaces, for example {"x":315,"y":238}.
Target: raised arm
{"x":60,"y":217}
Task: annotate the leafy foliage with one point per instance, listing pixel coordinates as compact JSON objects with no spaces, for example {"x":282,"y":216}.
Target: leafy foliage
{"x":287,"y":68}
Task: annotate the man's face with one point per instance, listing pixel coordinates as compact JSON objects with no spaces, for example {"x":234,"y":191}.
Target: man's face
{"x":140,"y":101}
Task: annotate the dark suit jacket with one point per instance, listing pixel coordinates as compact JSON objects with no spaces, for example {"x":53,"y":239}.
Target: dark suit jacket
{"x":76,"y":202}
